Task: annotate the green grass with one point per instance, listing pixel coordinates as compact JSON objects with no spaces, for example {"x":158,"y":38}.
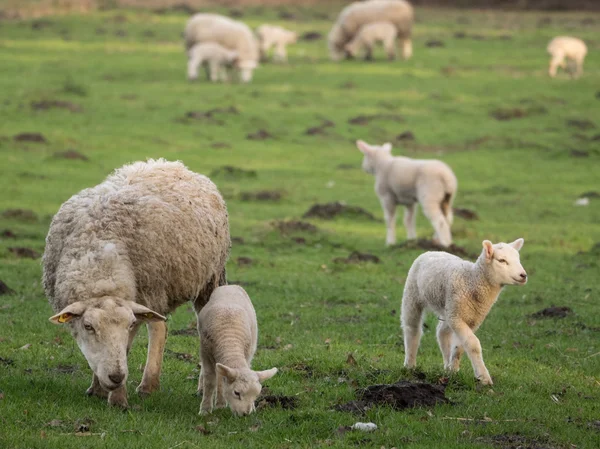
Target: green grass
{"x":518,"y":175}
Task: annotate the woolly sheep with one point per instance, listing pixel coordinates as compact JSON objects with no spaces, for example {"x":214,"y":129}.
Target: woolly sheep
{"x":409,"y":182}
{"x":228,"y":33}
{"x":369,"y":35}
{"x":354,"y":16}
{"x":151,"y":237}
{"x":570,"y":48}
{"x":228,"y":335}
{"x":215,"y":59}
{"x":274,"y":36}
{"x":461,"y":293}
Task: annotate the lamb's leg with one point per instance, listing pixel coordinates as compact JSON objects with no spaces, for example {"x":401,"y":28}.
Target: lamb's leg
{"x":221,"y":402}
{"x":96,"y":389}
{"x":368,"y":52}
{"x":388,"y":203}
{"x":157,"y":336}
{"x":444,"y":336}
{"x":280,"y":53}
{"x":390,"y":48}
{"x":578,"y":66}
{"x":214,"y":68}
{"x":472,"y":347}
{"x":406,"y":48}
{"x":412,"y":325}
{"x":556,"y":61}
{"x":433,"y":211}
{"x":410,"y":219}
{"x":209,"y":381}
{"x":455,"y":356}
{"x":193,"y":63}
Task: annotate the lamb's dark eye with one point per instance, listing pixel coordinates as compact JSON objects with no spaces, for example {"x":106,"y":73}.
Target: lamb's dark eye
{"x":238,"y":395}
{"x":503,"y":261}
{"x":88,"y":327}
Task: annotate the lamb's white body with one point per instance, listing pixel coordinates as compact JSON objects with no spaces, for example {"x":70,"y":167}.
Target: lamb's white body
{"x":270,"y":36}
{"x":369,"y":35}
{"x":566,"y":48}
{"x":228,"y":33}
{"x":215,"y":59}
{"x":408,"y":182}
{"x":461,"y":294}
{"x":228,"y":335}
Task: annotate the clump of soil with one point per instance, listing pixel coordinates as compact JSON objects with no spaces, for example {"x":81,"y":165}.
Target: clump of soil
{"x":71,"y":154}
{"x":59,"y":104}
{"x":287,"y":227}
{"x":232,"y":172}
{"x":429,"y":245}
{"x":504,"y":114}
{"x":210,"y":115}
{"x":30,"y":137}
{"x":19,"y":214}
{"x":237,"y":240}
{"x":582,"y":124}
{"x":405,"y":136}
{"x":25,"y":252}
{"x":591,"y":194}
{"x":329,"y":211}
{"x":358,"y":257}
{"x":348,"y":85}
{"x":8,"y":234}
{"x":263,"y":195}
{"x":579,"y":153}
{"x":434,"y":43}
{"x":121,"y":33}
{"x":244,"y":261}
{"x":366,"y":119}
{"x":466,"y":214}
{"x":399,"y":396}
{"x":220,"y":145}
{"x":261,"y":134}
{"x":285,"y":402}
{"x":311,"y":36}
{"x":553,"y":312}
{"x":5,"y":289}
{"x":320,"y":129}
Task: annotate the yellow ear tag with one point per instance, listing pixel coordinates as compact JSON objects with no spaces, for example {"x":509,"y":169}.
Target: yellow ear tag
{"x":64,"y":318}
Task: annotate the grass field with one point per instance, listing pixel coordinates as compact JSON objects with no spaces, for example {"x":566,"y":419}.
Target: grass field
{"x":119,"y":79}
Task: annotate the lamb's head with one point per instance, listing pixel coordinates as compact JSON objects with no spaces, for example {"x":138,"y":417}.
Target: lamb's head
{"x":101,"y":328}
{"x":502,"y":262}
{"x":351,"y":49}
{"x":291,"y":37}
{"x":372,"y":153}
{"x":242,"y":386}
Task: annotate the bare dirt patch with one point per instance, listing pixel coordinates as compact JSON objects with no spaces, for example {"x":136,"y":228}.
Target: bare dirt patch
{"x":211,"y":115}
{"x":329,"y":211}
{"x":553,"y":312}
{"x":579,"y":153}
{"x":582,"y":124}
{"x":244,"y":261}
{"x":262,"y":195}
{"x":311,"y":36}
{"x":348,"y":85}
{"x":358,"y":257}
{"x":505,"y":114}
{"x":261,"y":134}
{"x":363,"y":120}
{"x":71,"y":154}
{"x":8,"y":234}
{"x":24,"y":252}
{"x":44,"y":105}
{"x":5,"y":289}
{"x":405,"y":136}
{"x":30,"y":137}
{"x":432,"y":43}
{"x":465,"y":214}
{"x":288,"y":227}
{"x":19,"y":214}
{"x":590,"y":194}
{"x":429,"y":245}
{"x":508,"y":441}
{"x":320,"y":129}
{"x":285,"y":402}
{"x":229,"y":171}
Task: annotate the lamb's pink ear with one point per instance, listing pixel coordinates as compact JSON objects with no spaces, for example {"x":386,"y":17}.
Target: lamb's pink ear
{"x":230,"y":373}
{"x":364,"y":147}
{"x":387,"y":147}
{"x":517,"y":244}
{"x":143,"y":313}
{"x":267,"y":374}
{"x":488,"y":248}
{"x":70,"y":312}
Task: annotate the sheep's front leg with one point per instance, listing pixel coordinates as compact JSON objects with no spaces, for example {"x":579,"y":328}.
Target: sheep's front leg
{"x":410,"y":220}
{"x":157,"y":336}
{"x":388,"y":204}
{"x":209,"y":381}
{"x":406,"y":48}
{"x":96,"y":389}
{"x":472,"y":346}
{"x":221,"y":401}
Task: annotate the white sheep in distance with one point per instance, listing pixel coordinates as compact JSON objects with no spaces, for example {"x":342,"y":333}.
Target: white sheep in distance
{"x":214,"y":58}
{"x":228,"y":336}
{"x":275,"y":36}
{"x":409,"y":182}
{"x":369,"y":35}
{"x":229,"y":33}
{"x":151,"y":237}
{"x":354,"y":16}
{"x":566,"y":48}
{"x":461,"y":294}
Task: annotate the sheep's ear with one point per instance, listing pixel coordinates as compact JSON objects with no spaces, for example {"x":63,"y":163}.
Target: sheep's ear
{"x":230,"y":373}
{"x":143,"y":313}
{"x":70,"y":312}
{"x":387,"y":147}
{"x":364,"y":147}
{"x":517,"y":244}
{"x":488,"y":248}
{"x":267,"y":374}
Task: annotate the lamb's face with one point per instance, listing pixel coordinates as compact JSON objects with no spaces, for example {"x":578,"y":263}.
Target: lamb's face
{"x":245,"y":69}
{"x":241,"y":387}
{"x":371,"y":153}
{"x":291,"y":37}
{"x":101,"y":328}
{"x":503,"y":262}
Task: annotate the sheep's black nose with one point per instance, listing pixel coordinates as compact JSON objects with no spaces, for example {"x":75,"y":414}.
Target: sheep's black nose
{"x":523,"y":275}
{"x":116,"y":378}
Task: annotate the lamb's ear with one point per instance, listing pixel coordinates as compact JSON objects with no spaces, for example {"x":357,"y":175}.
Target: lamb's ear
{"x":364,"y":147}
{"x":387,"y":147}
{"x":143,"y":313}
{"x":488,"y":248}
{"x":267,"y":374}
{"x":517,"y":244}
{"x":230,"y":373}
{"x":70,"y":312}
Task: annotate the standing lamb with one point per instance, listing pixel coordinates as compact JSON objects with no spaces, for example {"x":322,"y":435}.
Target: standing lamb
{"x":461,"y":293}
{"x":231,"y":34}
{"x":215,"y":59}
{"x":275,"y":36}
{"x":356,"y":15}
{"x":409,"y":182}
{"x":369,"y":35}
{"x":228,"y":336}
{"x":570,"y":48}
{"x":151,"y":237}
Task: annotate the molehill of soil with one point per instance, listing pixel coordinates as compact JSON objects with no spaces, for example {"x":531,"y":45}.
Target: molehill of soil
{"x":357,"y":257}
{"x":553,"y":312}
{"x":329,"y":211}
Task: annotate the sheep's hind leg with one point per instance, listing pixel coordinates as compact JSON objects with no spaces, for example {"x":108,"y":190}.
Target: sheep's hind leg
{"x":456,"y":354}
{"x":444,"y":336}
{"x":157,"y":336}
{"x":439,"y":222}
{"x":412,"y":326}
{"x":388,"y":204}
{"x":410,"y":218}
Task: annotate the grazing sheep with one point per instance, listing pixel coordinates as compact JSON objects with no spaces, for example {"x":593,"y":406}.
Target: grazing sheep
{"x":215,"y":59}
{"x":356,"y":15}
{"x":369,"y":35}
{"x":151,"y":237}
{"x":461,"y":293}
{"x":570,"y":48}
{"x":228,"y":336}
{"x":231,"y":34}
{"x":274,"y":36}
{"x":405,"y":181}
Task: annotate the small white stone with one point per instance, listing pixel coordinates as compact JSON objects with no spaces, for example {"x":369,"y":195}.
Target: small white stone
{"x":364,"y":426}
{"x":582,"y":202}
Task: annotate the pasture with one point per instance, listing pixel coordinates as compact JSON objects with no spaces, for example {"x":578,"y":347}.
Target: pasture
{"x":96,"y":91}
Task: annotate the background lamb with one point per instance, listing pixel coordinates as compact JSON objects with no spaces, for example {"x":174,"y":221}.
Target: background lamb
{"x":229,"y":335}
{"x":151,"y":237}
{"x":570,"y":48}
{"x":405,"y":181}
{"x":231,"y":34}
{"x":461,"y":293}
{"x":369,"y":35}
{"x":275,"y":36}
{"x":354,"y":16}
{"x":215,"y":59}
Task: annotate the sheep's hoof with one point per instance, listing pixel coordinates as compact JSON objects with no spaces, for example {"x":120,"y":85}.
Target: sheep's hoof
{"x":485,"y":380}
{"x":97,"y":391}
{"x":144,"y":389}
{"x":118,"y":398}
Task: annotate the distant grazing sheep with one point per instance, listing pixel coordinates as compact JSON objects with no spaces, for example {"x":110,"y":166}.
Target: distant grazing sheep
{"x":405,"y":181}
{"x":151,"y":237}
{"x":566,"y":48}
{"x":461,"y":294}
{"x":274,"y":36}
{"x":229,"y":335}
{"x":215,"y":59}
{"x":231,"y":34}
{"x":369,"y":35}
{"x":356,"y":15}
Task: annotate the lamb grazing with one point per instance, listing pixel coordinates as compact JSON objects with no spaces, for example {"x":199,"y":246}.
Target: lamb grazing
{"x":215,"y":59}
{"x":369,"y":35}
{"x":274,"y":36}
{"x":461,"y":293}
{"x":151,"y":237}
{"x":228,"y":33}
{"x":405,"y":181}
{"x":570,"y":48}
{"x":228,"y":335}
{"x":358,"y":14}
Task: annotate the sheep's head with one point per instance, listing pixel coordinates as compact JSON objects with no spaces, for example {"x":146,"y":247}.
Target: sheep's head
{"x":245,"y":69}
{"x":291,"y":37}
{"x":101,"y":328}
{"x":336,"y":41}
{"x":242,"y":386}
{"x":502,"y":262}
{"x":371,"y":153}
